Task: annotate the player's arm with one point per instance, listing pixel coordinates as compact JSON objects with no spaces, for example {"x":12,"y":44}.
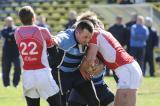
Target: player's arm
{"x":88,"y":61}
{"x":85,"y":65}
{"x":64,"y":41}
{"x":85,"y":69}
{"x":48,"y":37}
{"x":92,"y":50}
{"x":91,"y":53}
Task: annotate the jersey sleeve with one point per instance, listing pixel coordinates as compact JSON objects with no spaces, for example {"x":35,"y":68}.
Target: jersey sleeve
{"x":64,"y":41}
{"x":94,"y":39}
{"x":48,"y":38}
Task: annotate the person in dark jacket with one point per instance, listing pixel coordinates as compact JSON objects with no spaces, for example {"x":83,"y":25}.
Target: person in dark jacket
{"x":10,"y":54}
{"x":119,"y":30}
{"x":151,"y":43}
{"x":71,"y":19}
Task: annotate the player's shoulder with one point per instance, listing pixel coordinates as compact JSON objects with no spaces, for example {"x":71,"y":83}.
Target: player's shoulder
{"x":42,"y":28}
{"x":18,"y":28}
{"x":25,"y":27}
{"x":69,"y":33}
{"x":104,"y":32}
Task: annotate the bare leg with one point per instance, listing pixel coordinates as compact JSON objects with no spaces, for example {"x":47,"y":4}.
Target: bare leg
{"x":125,"y":97}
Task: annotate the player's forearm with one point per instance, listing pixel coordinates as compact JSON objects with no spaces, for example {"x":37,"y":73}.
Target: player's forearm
{"x":84,"y":65}
{"x":91,"y":53}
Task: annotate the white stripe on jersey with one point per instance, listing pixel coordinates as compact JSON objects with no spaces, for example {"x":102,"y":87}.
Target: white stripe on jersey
{"x":106,"y":48}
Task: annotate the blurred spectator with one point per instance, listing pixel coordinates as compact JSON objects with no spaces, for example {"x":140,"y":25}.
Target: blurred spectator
{"x":125,"y":2}
{"x":139,"y":1}
{"x":158,"y":60}
{"x":111,"y":1}
{"x":72,"y":19}
{"x":42,"y":23}
{"x":151,"y":43}
{"x":32,"y":0}
{"x":138,"y":39}
{"x":152,"y":0}
{"x":10,"y":54}
{"x":119,"y":30}
{"x":6,"y":1}
{"x":128,"y":25}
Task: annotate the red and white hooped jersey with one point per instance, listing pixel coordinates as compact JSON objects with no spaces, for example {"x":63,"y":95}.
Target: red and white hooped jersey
{"x":110,"y":50}
{"x":33,"y":42}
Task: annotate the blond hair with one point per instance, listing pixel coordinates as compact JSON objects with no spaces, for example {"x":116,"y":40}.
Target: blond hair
{"x":91,"y":16}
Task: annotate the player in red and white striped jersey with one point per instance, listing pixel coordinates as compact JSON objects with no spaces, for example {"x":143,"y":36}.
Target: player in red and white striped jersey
{"x":33,"y":42}
{"x":116,"y":58}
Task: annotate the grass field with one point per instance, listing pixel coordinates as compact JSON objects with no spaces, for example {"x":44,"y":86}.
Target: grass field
{"x":148,"y":94}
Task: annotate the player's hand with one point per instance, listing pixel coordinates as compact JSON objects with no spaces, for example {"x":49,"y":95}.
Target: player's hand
{"x":83,"y":69}
{"x":86,"y":75}
{"x":97,"y":69}
{"x":84,"y":65}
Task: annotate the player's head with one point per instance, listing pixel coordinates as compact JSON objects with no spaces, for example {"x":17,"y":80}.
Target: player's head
{"x":9,"y":21}
{"x":83,"y":31}
{"x":91,"y":16}
{"x":27,"y":15}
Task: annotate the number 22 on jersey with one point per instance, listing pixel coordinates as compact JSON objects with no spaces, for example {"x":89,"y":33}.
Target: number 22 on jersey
{"x":26,"y":51}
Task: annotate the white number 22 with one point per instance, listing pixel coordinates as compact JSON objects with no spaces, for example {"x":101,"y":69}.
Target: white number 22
{"x":24,"y":48}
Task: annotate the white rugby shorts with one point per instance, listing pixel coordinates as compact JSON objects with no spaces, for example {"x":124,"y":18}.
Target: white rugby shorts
{"x":39,"y":83}
{"x":129,"y":76}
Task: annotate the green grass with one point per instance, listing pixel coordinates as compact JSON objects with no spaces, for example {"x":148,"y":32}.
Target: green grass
{"x":148,"y":94}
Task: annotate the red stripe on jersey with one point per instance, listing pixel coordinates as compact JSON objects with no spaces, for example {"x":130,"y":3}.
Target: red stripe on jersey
{"x":94,"y":37}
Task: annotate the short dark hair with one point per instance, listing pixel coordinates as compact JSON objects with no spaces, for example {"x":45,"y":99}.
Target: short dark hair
{"x":85,"y":24}
{"x":26,"y":14}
